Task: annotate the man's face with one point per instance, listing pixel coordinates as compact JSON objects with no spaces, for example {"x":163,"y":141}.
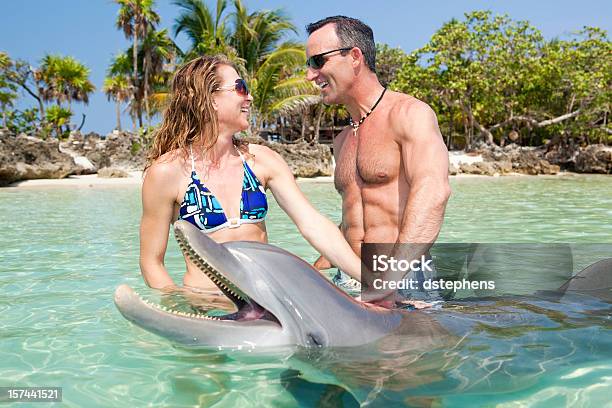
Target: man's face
{"x":335,"y":76}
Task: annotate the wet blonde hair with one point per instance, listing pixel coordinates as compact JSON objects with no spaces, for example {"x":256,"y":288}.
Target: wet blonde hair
{"x":190,"y":116}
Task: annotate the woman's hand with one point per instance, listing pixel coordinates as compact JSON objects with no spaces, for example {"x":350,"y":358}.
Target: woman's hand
{"x":322,"y":263}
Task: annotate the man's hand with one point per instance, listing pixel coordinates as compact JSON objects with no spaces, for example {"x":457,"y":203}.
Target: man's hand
{"x":322,"y":263}
{"x":392,"y":303}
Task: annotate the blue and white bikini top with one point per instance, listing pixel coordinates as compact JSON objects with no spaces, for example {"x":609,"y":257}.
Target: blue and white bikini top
{"x":201,"y":208}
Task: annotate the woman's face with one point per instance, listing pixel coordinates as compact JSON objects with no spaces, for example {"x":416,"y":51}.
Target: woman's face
{"x":232,"y":108}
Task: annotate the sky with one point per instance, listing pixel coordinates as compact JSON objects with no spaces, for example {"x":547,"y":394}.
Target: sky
{"x":85,"y":30}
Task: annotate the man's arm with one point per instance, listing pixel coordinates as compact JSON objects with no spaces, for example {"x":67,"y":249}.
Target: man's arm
{"x":425,"y":159}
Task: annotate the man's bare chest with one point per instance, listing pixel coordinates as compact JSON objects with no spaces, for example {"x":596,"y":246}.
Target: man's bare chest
{"x":367,"y":159}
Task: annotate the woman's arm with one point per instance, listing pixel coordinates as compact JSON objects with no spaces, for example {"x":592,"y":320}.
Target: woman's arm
{"x":158,"y":198}
{"x":318,"y":230}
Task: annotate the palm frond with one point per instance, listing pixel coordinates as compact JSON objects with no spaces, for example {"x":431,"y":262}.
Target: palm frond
{"x":294,"y":103}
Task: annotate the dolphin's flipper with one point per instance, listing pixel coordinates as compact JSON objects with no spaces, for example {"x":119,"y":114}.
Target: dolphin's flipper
{"x":594,"y":280}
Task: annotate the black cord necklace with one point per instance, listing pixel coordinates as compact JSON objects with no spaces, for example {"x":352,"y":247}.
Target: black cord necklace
{"x":354,"y":125}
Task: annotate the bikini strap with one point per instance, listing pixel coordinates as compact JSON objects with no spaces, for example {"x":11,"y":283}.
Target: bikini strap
{"x":240,"y":153}
{"x":192,"y":159}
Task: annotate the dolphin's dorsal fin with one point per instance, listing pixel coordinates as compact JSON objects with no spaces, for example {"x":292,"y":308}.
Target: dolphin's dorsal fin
{"x":596,"y":277}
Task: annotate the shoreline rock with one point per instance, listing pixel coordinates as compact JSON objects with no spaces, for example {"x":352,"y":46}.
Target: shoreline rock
{"x":126,"y":151}
{"x":25,"y":157}
{"x":510,"y":159}
{"x":304,"y":160}
{"x":496,"y":160}
{"x":122,"y":150}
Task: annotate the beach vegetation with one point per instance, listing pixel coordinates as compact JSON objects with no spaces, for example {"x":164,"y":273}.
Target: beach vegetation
{"x":489,"y":76}
{"x":491,"y":79}
{"x":255,"y":43}
{"x":59,"y":81}
{"x":117,"y":88}
{"x":57,"y":118}
{"x":136,"y":19}
{"x":8,"y":90}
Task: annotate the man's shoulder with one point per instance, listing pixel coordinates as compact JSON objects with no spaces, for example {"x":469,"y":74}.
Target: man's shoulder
{"x":404,"y":105}
{"x":407,"y":114}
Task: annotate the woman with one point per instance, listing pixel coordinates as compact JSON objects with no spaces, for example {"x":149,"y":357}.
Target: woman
{"x":198,"y":172}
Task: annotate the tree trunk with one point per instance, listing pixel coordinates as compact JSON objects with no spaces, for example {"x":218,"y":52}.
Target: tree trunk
{"x":146,"y":69}
{"x":147,"y":64}
{"x":466,"y":133}
{"x":139,"y":107}
{"x":317,"y":126}
{"x":450,"y":130}
{"x":304,"y":125}
{"x":135,"y":76}
{"x":118,"y":109}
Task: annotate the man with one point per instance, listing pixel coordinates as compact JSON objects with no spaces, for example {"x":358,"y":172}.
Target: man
{"x":391,"y":163}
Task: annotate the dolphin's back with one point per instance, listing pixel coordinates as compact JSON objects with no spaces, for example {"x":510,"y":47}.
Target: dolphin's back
{"x":595,"y":280}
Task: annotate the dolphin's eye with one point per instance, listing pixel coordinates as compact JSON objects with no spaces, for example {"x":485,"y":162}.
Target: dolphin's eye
{"x":314,"y":340}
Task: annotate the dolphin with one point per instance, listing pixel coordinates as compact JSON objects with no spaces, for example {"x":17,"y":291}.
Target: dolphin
{"x":282,"y":300}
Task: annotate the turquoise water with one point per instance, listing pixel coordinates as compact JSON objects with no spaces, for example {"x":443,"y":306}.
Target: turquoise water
{"x":64,"y":250}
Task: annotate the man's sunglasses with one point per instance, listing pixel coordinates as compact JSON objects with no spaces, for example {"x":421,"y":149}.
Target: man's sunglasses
{"x":317,"y":61}
{"x":240,"y":86}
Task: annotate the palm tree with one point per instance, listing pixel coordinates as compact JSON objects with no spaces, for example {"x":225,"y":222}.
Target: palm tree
{"x":64,"y":79}
{"x":280,"y":89}
{"x":118,"y":89}
{"x":156,"y":55}
{"x":258,"y":34}
{"x":135,"y":18}
{"x":272,"y":68}
{"x":335,"y":112}
{"x":56,"y":116}
{"x":208,"y":34}
{"x":158,"y":50}
{"x":121,"y":65}
{"x":253,"y":42}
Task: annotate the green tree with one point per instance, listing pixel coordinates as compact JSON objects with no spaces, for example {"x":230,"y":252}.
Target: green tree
{"x":279,"y":87}
{"x":23,"y":121}
{"x":20,"y":74}
{"x":57,"y":117}
{"x":207,"y":31}
{"x":388,"y":62}
{"x":489,"y":74}
{"x":157,"y":50}
{"x":7,"y":88}
{"x":121,"y":66}
{"x":117,"y":88}
{"x":155,"y":59}
{"x":252,"y":40}
{"x":63,"y":79}
{"x":135,"y":19}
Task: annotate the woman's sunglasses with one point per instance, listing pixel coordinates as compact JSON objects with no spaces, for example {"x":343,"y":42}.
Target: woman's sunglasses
{"x":317,"y":61}
{"x":240,"y":86}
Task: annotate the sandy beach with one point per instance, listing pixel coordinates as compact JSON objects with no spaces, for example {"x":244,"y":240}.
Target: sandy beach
{"x":88,"y":180}
{"x":135,"y":177}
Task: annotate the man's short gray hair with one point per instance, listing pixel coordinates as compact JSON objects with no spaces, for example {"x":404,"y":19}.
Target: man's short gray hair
{"x":352,"y":33}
